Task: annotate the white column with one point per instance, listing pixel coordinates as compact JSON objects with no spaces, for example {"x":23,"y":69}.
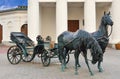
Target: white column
{"x":33,"y":19}
{"x":61,"y":17}
{"x":90,"y":15}
{"x":116,"y":19}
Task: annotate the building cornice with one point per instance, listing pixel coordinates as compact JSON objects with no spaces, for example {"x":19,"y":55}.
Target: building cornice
{"x":19,"y":8}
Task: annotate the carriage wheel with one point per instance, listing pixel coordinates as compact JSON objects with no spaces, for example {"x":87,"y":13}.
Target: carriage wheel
{"x":14,"y":54}
{"x":45,"y":58}
{"x":29,"y":57}
{"x":67,"y":58}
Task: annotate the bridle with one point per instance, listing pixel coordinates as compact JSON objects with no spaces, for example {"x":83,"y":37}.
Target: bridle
{"x":110,"y":31}
{"x":104,"y":36}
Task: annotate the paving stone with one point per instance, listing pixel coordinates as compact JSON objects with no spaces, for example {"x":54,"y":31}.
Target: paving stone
{"x":35,"y":69}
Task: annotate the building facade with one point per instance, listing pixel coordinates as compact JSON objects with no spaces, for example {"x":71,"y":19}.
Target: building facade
{"x":12,"y":20}
{"x":52,"y":17}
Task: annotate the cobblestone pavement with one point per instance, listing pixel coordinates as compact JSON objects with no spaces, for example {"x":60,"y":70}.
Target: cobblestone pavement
{"x":3,"y":49}
{"x":35,"y":69}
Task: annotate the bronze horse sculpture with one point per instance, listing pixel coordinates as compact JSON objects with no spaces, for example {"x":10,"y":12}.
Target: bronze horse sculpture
{"x":101,"y":35}
{"x":79,"y":41}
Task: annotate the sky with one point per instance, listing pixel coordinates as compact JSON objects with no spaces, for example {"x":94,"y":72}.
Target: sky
{"x":8,"y":4}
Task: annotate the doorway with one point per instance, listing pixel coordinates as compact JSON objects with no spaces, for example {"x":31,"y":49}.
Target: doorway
{"x":73,"y":25}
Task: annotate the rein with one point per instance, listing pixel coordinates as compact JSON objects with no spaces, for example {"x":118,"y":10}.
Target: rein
{"x":104,"y":37}
{"x":110,"y":32}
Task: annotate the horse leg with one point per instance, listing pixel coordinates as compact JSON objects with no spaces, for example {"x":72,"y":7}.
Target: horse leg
{"x":62,"y":59}
{"x":85,"y":56}
{"x":62,"y":64}
{"x":78,"y":64}
{"x":100,"y":67}
{"x":65,"y":54}
{"x":76,"y":61}
{"x":99,"y":63}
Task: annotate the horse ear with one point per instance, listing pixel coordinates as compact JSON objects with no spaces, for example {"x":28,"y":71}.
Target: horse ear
{"x":109,"y":13}
{"x":104,"y":12}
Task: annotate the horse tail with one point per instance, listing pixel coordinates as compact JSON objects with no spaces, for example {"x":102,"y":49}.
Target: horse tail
{"x":60,"y":42}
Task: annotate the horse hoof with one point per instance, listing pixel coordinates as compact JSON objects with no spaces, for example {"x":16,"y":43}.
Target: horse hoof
{"x":91,"y":74}
{"x":76,"y":73}
{"x":66,"y":67}
{"x":62,"y":70}
{"x":79,"y":65}
{"x":100,"y":70}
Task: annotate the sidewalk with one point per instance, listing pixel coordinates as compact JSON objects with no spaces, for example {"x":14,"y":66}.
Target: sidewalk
{"x":3,"y":49}
{"x":35,"y":69}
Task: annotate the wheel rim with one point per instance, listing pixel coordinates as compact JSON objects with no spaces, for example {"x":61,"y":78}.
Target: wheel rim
{"x":14,"y":55}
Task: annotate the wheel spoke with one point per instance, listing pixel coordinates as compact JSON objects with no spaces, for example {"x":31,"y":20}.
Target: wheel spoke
{"x":10,"y":56}
{"x":13,"y":60}
{"x":17,"y":58}
{"x":28,"y":58}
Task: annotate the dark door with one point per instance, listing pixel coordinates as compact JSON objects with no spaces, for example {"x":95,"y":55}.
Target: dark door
{"x":73,"y":25}
{"x":24,"y":29}
{"x":0,"y":33}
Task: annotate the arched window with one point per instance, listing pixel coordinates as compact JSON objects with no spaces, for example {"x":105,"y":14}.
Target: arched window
{"x":9,"y":24}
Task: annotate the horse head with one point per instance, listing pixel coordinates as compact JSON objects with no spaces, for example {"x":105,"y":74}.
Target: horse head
{"x":106,"y":19}
{"x":97,"y":54}
{"x":98,"y":57}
